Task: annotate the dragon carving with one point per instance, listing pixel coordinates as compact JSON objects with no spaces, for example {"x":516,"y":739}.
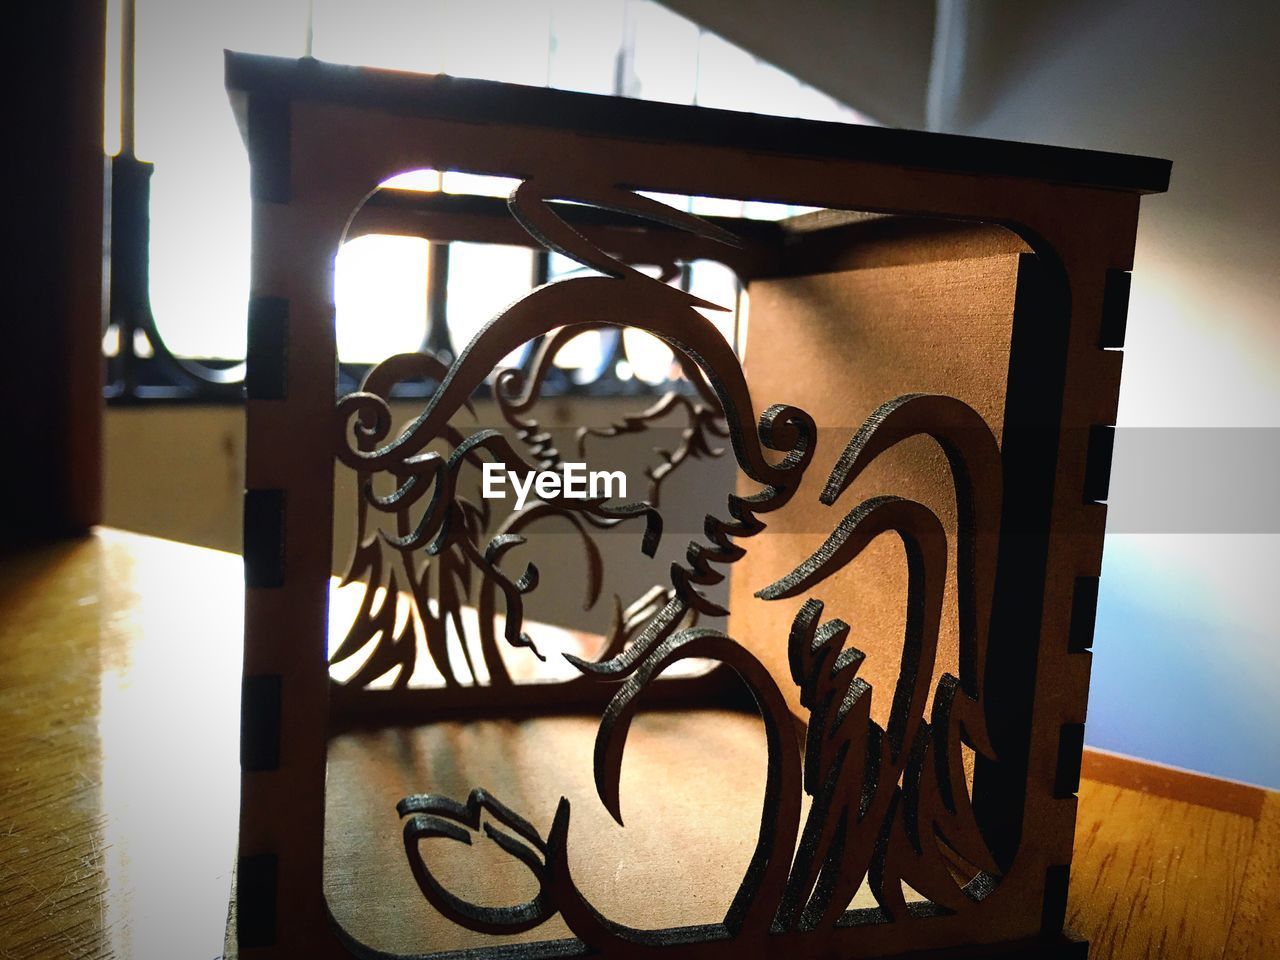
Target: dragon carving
{"x":890,"y":804}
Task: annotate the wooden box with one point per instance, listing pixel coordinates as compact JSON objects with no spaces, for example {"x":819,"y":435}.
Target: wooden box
{"x":873,"y":748}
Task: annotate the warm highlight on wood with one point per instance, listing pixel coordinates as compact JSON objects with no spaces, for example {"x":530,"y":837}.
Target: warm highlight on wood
{"x":97,"y":860}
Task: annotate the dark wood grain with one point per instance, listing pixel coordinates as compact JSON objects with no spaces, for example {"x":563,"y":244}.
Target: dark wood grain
{"x":1255,"y":931}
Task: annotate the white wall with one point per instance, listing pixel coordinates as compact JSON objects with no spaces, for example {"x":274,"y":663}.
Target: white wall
{"x":1188,"y":634}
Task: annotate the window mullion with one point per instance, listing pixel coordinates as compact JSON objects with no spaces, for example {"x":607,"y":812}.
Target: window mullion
{"x":437,"y":340}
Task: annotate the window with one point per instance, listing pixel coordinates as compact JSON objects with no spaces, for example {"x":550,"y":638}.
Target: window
{"x":199,"y":199}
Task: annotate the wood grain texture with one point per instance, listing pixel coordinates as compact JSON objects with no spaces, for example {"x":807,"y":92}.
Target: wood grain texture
{"x":52,"y":835}
{"x":118,"y":767}
{"x":1254,"y":933}
{"x":1167,"y":891}
{"x":98,"y":860}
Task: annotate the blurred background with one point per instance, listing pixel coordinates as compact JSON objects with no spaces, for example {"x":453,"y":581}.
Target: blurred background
{"x":1186,"y":644}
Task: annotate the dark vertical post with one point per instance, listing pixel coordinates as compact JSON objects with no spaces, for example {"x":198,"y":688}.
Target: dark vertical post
{"x":437,"y":338}
{"x":53,"y":327}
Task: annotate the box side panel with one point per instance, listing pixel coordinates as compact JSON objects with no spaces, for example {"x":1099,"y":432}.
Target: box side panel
{"x":839,"y":345}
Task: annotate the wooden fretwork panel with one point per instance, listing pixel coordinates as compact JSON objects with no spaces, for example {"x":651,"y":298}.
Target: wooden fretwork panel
{"x":883,"y":754}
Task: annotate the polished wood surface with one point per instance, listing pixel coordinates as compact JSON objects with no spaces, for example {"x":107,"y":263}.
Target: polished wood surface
{"x":119,"y":777}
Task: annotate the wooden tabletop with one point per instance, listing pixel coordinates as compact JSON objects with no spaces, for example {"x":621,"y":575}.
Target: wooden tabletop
{"x":119,"y":778}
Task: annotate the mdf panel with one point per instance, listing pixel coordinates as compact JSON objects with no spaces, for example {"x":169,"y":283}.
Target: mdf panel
{"x":839,"y":345}
{"x":960,"y":383}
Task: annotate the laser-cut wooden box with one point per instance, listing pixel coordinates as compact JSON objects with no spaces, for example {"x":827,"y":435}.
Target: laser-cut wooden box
{"x":936,"y":356}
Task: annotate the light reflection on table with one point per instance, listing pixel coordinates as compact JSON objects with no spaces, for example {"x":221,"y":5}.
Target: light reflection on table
{"x":119,"y":778}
